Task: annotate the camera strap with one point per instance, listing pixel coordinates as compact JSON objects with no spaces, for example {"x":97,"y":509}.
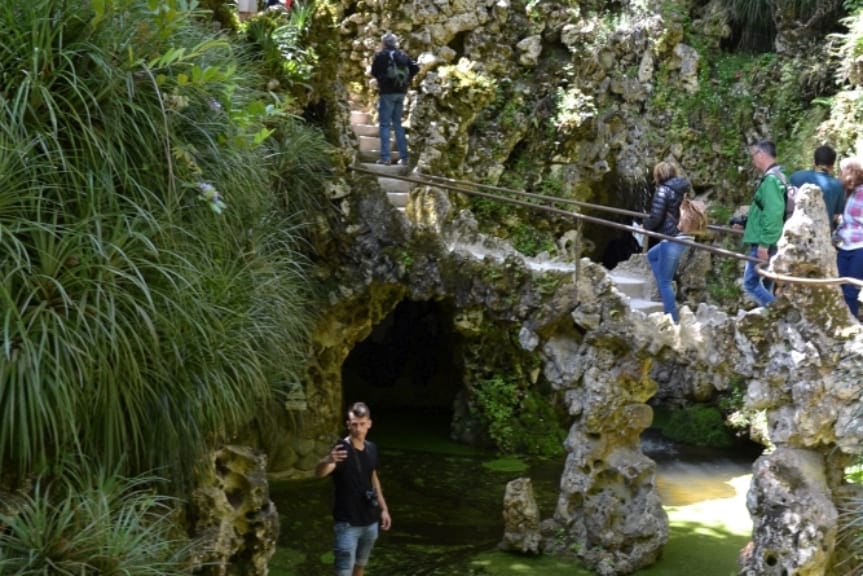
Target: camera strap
{"x":360,"y":476}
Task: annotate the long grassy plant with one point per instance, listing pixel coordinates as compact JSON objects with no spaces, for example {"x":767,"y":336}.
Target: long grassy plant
{"x":90,"y":521}
{"x":150,"y":286}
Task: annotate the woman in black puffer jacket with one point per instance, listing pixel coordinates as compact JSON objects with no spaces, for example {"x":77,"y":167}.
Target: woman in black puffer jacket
{"x":664,"y":216}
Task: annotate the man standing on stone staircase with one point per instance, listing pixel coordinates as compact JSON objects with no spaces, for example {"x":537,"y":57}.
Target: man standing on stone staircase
{"x":393,"y":70}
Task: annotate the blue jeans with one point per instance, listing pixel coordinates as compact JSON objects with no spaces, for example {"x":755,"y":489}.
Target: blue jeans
{"x":760,"y":289}
{"x":850,"y":263}
{"x":353,"y":546}
{"x":664,"y":258}
{"x":390,"y":110}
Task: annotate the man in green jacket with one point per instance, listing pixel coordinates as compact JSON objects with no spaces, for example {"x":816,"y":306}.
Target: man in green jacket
{"x":764,"y":222}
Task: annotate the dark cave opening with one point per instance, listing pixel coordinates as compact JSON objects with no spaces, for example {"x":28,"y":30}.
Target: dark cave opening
{"x":408,"y":369}
{"x":612,"y":245}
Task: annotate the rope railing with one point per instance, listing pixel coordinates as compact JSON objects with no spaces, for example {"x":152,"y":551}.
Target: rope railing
{"x":561,"y":212}
{"x":579,"y":203}
{"x":448,"y":184}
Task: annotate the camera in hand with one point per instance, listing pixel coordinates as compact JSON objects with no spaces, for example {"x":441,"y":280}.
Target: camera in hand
{"x":738,"y":220}
{"x":372,"y":499}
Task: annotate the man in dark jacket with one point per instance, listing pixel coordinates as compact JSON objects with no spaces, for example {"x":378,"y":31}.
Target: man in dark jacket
{"x":392,"y":91}
{"x":665,"y":256}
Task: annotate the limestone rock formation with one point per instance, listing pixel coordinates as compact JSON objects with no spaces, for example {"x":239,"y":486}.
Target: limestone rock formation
{"x":520,"y":517}
{"x":235,"y":521}
{"x":794,"y":515}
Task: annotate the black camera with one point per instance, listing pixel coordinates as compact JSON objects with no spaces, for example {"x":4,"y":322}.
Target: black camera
{"x":738,"y":220}
{"x":372,"y":498}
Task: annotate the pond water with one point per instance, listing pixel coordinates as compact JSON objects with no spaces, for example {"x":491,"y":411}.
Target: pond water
{"x":445,"y":501}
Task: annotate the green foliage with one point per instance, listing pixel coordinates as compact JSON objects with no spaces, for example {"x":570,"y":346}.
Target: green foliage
{"x":93,"y":522}
{"x":719,"y":213}
{"x":752,"y":21}
{"x":699,"y":425}
{"x":723,"y":284}
{"x":281,"y":42}
{"x":517,"y":419}
{"x":573,"y":109}
{"x":530,"y":241}
{"x":138,"y":325}
{"x":509,"y":465}
{"x":734,"y":398}
{"x":851,"y":530}
{"x":498,"y":400}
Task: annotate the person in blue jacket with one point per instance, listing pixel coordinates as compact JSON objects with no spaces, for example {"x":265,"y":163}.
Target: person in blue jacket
{"x":664,"y":257}
{"x":822,"y":176}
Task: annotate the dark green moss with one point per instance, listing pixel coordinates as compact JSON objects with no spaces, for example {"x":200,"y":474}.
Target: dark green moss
{"x":699,"y":425}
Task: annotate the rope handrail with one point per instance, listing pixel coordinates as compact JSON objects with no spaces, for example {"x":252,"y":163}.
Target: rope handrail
{"x":601,"y":222}
{"x":685,"y":240}
{"x":579,"y":203}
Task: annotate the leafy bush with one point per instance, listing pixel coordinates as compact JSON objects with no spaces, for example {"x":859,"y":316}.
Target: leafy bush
{"x":699,"y":425}
{"x":518,"y":420}
{"x":279,"y":41}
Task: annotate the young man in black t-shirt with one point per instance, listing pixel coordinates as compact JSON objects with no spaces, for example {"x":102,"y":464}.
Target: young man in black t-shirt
{"x":359,"y":499}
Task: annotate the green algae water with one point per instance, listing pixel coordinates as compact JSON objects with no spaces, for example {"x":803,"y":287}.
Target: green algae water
{"x":445,"y":501}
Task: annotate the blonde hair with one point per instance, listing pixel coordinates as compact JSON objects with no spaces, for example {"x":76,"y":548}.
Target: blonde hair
{"x":851,"y":172}
{"x":663,"y":171}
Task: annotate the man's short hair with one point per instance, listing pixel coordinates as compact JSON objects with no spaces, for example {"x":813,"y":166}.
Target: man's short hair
{"x":767,"y":147}
{"x":359,"y":410}
{"x":390,"y":40}
{"x":825,"y":156}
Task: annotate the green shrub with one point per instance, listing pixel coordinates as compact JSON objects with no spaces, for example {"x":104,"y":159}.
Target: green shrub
{"x":518,"y":420}
{"x":699,"y":425}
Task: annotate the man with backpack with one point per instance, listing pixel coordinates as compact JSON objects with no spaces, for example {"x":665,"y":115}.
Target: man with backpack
{"x":393,"y":70}
{"x":764,"y":223}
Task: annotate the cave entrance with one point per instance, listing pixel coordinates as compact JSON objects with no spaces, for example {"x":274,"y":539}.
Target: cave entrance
{"x":408,"y":369}
{"x":612,"y":246}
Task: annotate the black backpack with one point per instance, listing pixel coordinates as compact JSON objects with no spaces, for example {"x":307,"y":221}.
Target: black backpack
{"x":398,"y":69}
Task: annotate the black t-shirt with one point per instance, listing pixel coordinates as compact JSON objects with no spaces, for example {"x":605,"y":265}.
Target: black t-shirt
{"x":352,"y":477}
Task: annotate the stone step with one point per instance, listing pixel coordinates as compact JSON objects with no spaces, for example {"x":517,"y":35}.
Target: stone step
{"x":369,"y":143}
{"x":360,"y":117}
{"x":394,"y":185}
{"x":373,"y":143}
{"x":398,"y":199}
{"x":632,"y":286}
{"x":365,"y":130}
{"x":646,"y":306}
{"x":369,"y":156}
{"x":384,"y":169}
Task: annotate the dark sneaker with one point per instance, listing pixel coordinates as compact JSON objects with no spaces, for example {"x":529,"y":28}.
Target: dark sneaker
{"x":383,"y":162}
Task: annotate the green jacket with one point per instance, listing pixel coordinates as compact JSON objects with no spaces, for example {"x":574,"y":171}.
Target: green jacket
{"x":766,"y":214}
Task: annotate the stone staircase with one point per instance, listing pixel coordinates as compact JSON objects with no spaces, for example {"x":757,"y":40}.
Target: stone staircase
{"x":637,"y":288}
{"x":368,"y":135}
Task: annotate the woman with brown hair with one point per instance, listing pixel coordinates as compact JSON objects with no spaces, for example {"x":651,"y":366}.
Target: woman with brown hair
{"x":664,"y":216}
{"x":849,"y":258}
